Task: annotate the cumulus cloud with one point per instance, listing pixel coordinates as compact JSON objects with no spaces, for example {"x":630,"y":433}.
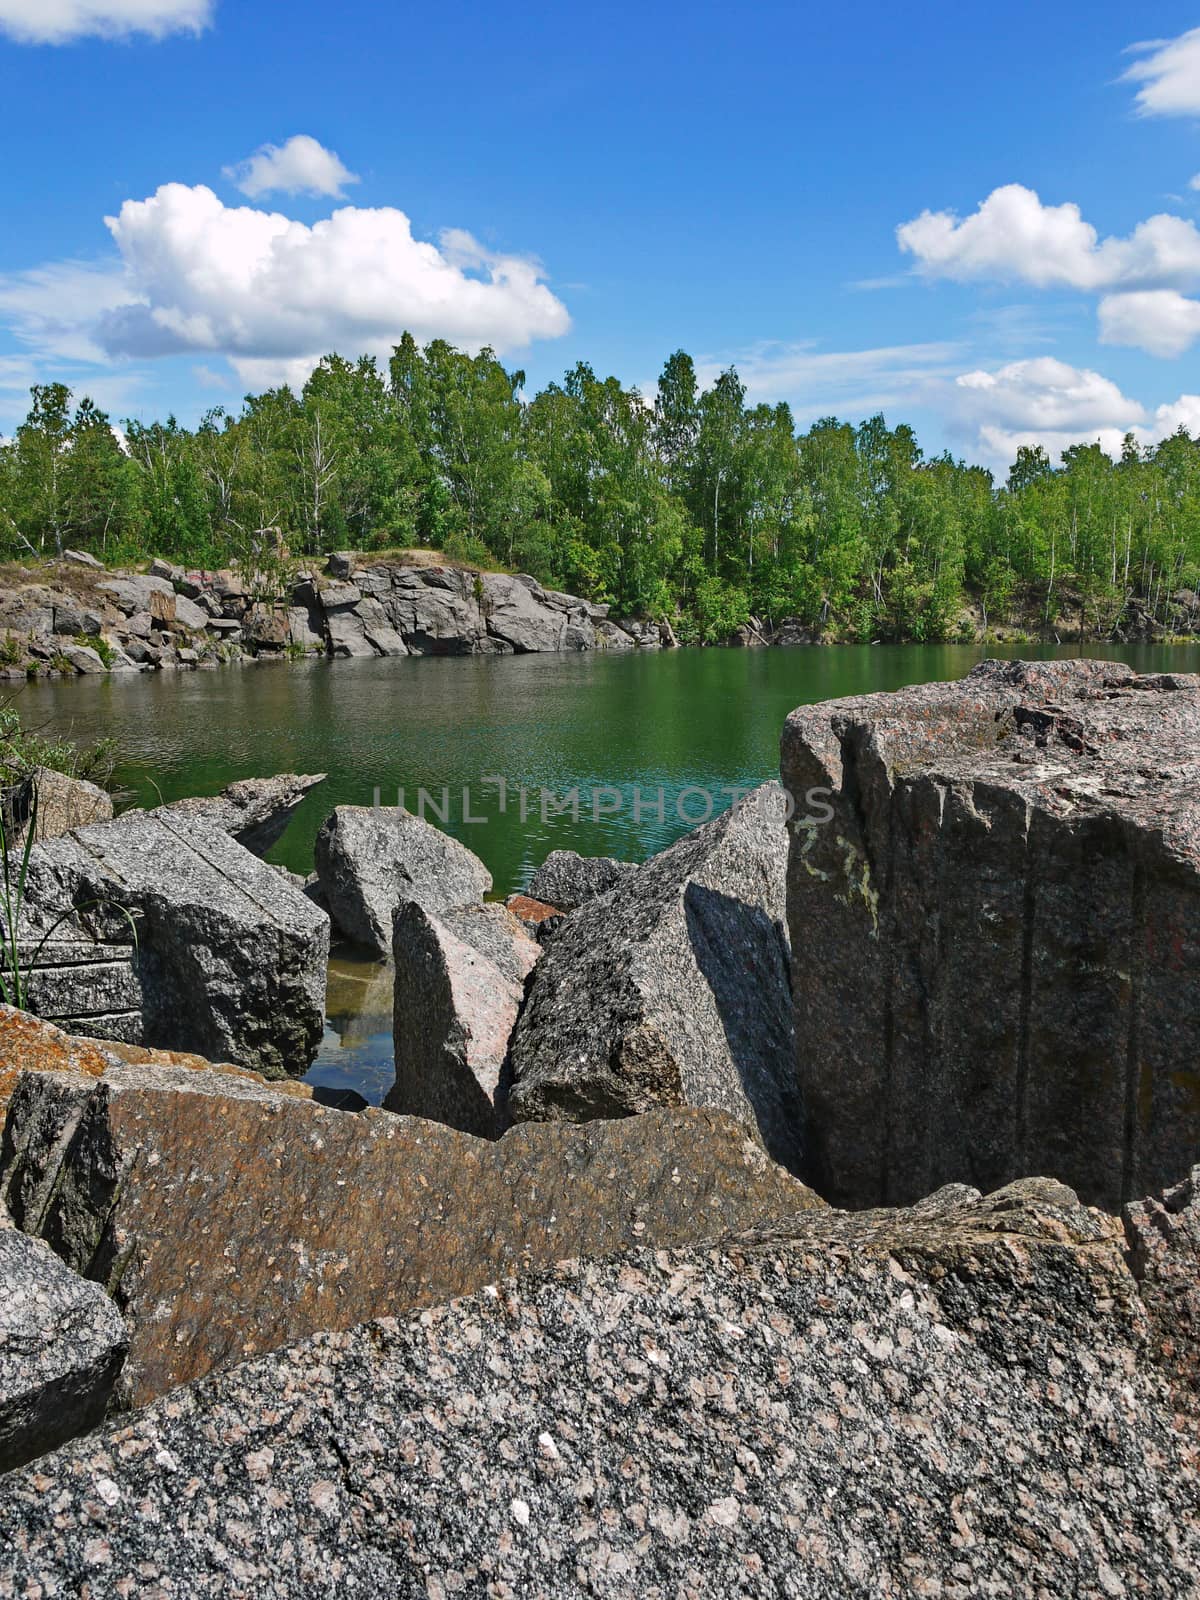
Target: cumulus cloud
{"x":1046,"y":393}
{"x":1169,"y":75}
{"x":274,"y":295}
{"x":1050,"y":403}
{"x":301,"y":166}
{"x":1014,"y":237}
{"x":60,"y":21}
{"x":1161,"y":321}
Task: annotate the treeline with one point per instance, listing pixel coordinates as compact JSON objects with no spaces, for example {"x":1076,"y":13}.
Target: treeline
{"x":697,"y":506}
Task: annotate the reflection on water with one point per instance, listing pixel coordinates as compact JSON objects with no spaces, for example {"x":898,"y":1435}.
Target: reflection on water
{"x":703,"y":718}
{"x":356,"y":1051}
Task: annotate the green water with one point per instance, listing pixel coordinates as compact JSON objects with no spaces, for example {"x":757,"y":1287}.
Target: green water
{"x":694,"y":720}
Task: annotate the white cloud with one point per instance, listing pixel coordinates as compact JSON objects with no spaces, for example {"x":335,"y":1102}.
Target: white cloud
{"x":60,"y":21}
{"x":1161,"y":321}
{"x":1046,"y":393}
{"x":1181,"y":413}
{"x":301,"y":166}
{"x":17,"y":372}
{"x":273,"y":295}
{"x":1169,"y":74}
{"x":1050,"y":403}
{"x":1013,"y":237}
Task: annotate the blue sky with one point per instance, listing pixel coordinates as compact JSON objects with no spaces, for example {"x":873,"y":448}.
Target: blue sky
{"x":979,"y":221}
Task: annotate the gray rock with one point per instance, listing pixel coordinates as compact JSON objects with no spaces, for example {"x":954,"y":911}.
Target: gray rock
{"x":436,"y":610}
{"x":347,"y":636}
{"x":371,"y":859}
{"x":254,"y":811}
{"x":672,"y":989}
{"x":143,"y":654}
{"x":609,"y":636}
{"x":953,"y":1401}
{"x":190,"y":615}
{"x":84,"y":659}
{"x":567,"y":880}
{"x":579,"y":634}
{"x":119,"y":660}
{"x":1163,"y":1233}
{"x":340,"y":564}
{"x":140,"y":625}
{"x":645,"y":635}
{"x":305,"y":628}
{"x":231,"y":957}
{"x":516,"y":612}
{"x":54,"y":804}
{"x":84,"y":985}
{"x":339,"y":596}
{"x":228,"y":1217}
{"x":28,"y":610}
{"x":378,"y":630}
{"x":264,"y":627}
{"x":166,"y":569}
{"x":80,"y":558}
{"x":132,"y":593}
{"x":69,"y":619}
{"x":995,"y":963}
{"x":62,"y":1343}
{"x":459,"y":984}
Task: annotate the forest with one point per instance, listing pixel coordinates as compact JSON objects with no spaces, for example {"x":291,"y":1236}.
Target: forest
{"x":695,"y":506}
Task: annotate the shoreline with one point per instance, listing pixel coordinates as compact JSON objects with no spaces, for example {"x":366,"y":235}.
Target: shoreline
{"x":74,"y":618}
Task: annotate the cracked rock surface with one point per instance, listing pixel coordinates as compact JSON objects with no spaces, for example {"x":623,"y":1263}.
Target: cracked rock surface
{"x":672,"y":989}
{"x":62,"y":1343}
{"x":996,"y":937}
{"x":228,"y":1217}
{"x":959,"y":1400}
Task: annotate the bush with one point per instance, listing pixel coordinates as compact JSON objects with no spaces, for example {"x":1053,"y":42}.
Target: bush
{"x":23,"y":750}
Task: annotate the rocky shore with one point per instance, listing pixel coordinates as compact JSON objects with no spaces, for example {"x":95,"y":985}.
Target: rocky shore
{"x":74,"y":616}
{"x":813,"y":1209}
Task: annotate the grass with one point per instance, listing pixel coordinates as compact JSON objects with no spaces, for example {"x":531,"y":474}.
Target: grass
{"x":23,"y":750}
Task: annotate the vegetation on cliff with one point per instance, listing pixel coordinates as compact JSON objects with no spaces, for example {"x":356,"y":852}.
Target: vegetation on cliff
{"x":694,"y":505}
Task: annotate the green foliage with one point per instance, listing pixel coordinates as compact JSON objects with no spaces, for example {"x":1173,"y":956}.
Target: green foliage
{"x":23,"y":750}
{"x":698,"y":507}
{"x":96,"y":642}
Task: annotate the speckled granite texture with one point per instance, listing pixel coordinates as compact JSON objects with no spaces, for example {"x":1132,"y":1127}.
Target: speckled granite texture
{"x":460,"y":984}
{"x":62,"y":1343}
{"x":1164,"y":1239}
{"x":231,"y":956}
{"x":996,"y":939}
{"x":228,"y":1218}
{"x":29,"y":1044}
{"x":955,"y":1402}
{"x":672,"y":989}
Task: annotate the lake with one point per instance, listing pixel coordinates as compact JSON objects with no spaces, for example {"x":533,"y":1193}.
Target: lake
{"x":646,"y":738}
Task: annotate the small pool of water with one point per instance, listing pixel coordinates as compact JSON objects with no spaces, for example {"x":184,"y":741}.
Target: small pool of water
{"x":356,"y":1050}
